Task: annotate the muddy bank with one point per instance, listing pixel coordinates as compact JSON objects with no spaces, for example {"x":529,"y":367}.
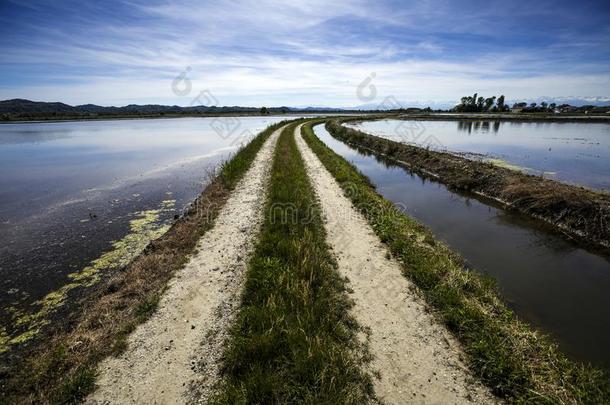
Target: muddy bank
{"x":577,"y":212}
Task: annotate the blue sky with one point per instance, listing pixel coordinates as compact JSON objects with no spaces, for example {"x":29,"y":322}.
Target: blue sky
{"x":302,"y":53}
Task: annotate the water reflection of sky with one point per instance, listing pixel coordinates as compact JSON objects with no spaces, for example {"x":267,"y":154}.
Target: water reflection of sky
{"x":572,"y":152}
{"x":551,"y":283}
{"x":68,"y":189}
{"x":43,"y":163}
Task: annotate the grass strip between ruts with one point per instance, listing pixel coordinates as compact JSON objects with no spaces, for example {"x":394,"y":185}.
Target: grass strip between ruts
{"x":294,"y":340}
{"x":517,"y":363}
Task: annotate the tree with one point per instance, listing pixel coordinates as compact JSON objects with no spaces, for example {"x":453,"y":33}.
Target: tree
{"x":480,"y":103}
{"x":467,"y":104}
{"x":501,"y":103}
{"x":552,"y":106}
{"x":264,"y":111}
{"x":489,"y":102}
{"x":586,"y":108}
{"x":533,"y":105}
{"x":473,"y":101}
{"x":544,"y":105}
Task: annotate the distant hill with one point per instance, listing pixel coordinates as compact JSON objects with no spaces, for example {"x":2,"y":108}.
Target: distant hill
{"x":19,"y":108}
{"x":22,"y":108}
{"x":19,"y":105}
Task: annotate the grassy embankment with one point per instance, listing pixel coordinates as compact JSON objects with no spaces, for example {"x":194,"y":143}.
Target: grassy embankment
{"x":578,"y":212}
{"x":294,"y":340}
{"x":61,"y":368}
{"x":517,"y":363}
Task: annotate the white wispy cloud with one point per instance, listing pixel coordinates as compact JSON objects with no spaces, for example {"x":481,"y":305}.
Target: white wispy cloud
{"x":266,"y":52}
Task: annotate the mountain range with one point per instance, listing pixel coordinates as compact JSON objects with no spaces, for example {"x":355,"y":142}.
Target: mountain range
{"x":23,"y":107}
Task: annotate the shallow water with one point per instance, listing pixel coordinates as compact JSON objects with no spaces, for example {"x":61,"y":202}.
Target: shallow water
{"x":571,"y":152}
{"x":68,"y":190}
{"x":556,"y":286}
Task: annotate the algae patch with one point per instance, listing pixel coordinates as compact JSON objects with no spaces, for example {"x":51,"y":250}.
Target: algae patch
{"x":522,"y":169}
{"x":506,"y":165}
{"x":145,"y":227}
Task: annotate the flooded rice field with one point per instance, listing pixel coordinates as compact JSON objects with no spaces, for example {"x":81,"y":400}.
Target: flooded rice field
{"x":78,"y":199}
{"x":553,"y":284}
{"x":577,"y":153}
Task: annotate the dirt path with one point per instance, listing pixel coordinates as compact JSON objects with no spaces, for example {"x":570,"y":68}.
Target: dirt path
{"x":419,"y":361}
{"x":173,"y":357}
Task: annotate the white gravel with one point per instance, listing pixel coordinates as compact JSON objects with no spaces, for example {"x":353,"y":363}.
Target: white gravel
{"x":417,"y":358}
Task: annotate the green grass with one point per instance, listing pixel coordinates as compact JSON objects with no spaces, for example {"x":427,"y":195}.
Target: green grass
{"x":517,"y":363}
{"x":294,"y":340}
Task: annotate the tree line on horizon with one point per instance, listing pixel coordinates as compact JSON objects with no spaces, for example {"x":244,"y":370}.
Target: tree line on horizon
{"x":478,"y":103}
{"x":481,"y":104}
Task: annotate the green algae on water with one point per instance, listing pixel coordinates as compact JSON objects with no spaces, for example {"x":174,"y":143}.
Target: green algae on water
{"x":523,"y":169}
{"x":506,"y":165}
{"x":146,"y":226}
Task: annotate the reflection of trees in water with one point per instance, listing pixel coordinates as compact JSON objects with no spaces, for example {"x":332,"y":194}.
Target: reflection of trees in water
{"x":464,"y":126}
{"x":478,"y":126}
